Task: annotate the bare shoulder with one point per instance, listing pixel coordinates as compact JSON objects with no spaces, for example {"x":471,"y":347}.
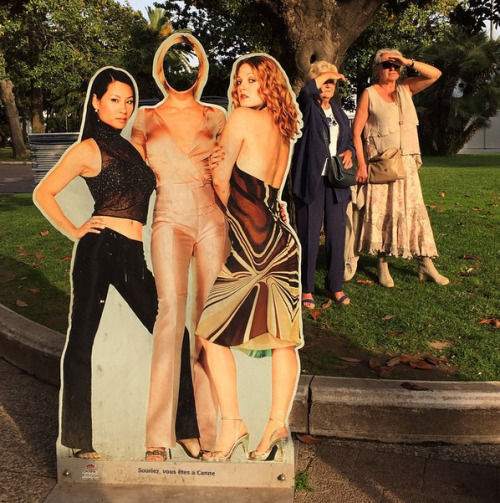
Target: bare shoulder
{"x":86,"y":155}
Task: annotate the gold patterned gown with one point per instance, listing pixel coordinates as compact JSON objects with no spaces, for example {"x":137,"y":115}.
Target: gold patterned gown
{"x":254,"y":304}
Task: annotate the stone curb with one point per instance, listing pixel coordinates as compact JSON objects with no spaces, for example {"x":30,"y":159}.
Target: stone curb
{"x":364,"y":409}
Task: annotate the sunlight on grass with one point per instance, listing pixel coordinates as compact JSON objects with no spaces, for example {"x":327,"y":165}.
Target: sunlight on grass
{"x":463,"y":197}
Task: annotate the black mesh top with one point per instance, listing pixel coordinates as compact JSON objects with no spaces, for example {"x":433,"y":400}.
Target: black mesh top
{"x":124,"y":185}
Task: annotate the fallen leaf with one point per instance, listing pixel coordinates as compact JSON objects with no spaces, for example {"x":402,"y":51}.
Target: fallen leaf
{"x":326,"y":304}
{"x":394,"y":361}
{"x":21,"y":303}
{"x":407,"y":358}
{"x":309,"y":439}
{"x":365,"y":281}
{"x":439,"y":344}
{"x":432,"y":206}
{"x":421,"y":364}
{"x":34,"y":290}
{"x":44,"y":233}
{"x":349,"y":359}
{"x":432,"y":360}
{"x":39,"y":255}
{"x":385,"y":372}
{"x":469,"y":256}
{"x":315,"y":314}
{"x":389,"y":317}
{"x":490,"y":321}
{"x":413,"y":387}
{"x":373,"y":363}
{"x":490,"y":213}
{"x":395,"y":334}
{"x":477,"y":208}
{"x":67,"y":257}
{"x":442,"y":193}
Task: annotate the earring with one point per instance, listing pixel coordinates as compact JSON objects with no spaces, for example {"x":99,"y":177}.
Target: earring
{"x":96,"y":110}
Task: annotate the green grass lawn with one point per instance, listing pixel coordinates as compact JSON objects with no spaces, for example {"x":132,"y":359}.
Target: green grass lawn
{"x":463,"y":197}
{"x":6,"y":155}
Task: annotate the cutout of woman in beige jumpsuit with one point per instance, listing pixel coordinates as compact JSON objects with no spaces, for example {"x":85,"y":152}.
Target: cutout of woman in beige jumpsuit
{"x":189,"y":228}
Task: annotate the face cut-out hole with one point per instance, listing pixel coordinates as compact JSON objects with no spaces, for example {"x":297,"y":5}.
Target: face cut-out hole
{"x":181,"y":67}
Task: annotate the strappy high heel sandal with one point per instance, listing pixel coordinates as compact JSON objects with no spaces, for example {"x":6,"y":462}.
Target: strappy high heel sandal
{"x":276,"y":450}
{"x":215,"y":456}
{"x":158,"y":454}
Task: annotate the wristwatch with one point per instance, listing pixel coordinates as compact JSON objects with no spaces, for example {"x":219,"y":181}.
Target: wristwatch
{"x":412,"y":63}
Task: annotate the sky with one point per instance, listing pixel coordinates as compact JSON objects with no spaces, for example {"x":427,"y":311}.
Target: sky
{"x":139,"y":4}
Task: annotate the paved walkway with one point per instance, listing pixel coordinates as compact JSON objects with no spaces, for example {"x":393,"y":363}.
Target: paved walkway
{"x":338,"y":471}
{"x":16,"y":177}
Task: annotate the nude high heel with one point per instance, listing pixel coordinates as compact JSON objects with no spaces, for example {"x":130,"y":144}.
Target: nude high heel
{"x":384,"y":276}
{"x":215,"y":456}
{"x":428,"y":272}
{"x":276,"y":450}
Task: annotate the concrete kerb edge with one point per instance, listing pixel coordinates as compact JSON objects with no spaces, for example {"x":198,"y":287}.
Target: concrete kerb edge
{"x":373,"y":409}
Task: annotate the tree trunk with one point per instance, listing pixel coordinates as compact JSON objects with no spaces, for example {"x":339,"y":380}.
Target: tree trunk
{"x":9,"y":102}
{"x":313,"y":30}
{"x":36,"y":105}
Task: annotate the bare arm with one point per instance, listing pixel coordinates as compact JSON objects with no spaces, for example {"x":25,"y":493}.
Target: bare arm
{"x":428,"y":74}
{"x":138,"y":137}
{"x":323,"y":77}
{"x":357,"y":132}
{"x":81,"y":159}
{"x":231,"y":141}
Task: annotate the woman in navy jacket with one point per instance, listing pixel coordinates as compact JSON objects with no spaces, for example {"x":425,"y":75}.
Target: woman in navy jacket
{"x":317,"y":202}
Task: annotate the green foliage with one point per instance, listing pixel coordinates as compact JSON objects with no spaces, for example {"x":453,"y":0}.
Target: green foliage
{"x":473,"y":15}
{"x":407,"y":27}
{"x":226,"y":29}
{"x":56,"y":46}
{"x":302,"y":482}
{"x":465,"y":97}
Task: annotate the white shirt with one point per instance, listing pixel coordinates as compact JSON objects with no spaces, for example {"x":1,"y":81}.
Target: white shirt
{"x":334,"y":134}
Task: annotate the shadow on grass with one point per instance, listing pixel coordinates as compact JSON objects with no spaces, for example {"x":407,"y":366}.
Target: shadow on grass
{"x":25,"y":290}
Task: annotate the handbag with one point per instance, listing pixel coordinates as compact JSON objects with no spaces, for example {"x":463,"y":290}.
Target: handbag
{"x":337,"y":175}
{"x":388,"y":167}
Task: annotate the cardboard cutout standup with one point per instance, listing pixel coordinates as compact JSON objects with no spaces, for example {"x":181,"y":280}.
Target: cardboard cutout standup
{"x":250,"y":303}
{"x":189,"y":234}
{"x":254,"y":305}
{"x":109,"y":249}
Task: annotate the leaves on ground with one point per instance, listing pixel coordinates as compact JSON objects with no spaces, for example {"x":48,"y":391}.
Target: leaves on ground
{"x":309,"y":439}
{"x":326,"y":304}
{"x":21,"y":303}
{"x":439,"y":344}
{"x":365,"y":281}
{"x":470,"y":256}
{"x":491,"y":321}
{"x":44,"y":233}
{"x":389,"y":317}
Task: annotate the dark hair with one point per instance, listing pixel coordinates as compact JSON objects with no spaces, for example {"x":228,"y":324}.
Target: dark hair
{"x":98,"y":86}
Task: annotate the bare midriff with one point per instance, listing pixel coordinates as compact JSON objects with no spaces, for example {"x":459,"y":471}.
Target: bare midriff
{"x":131,"y":229}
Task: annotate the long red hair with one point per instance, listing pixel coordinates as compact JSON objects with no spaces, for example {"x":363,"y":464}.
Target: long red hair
{"x":275,"y":91}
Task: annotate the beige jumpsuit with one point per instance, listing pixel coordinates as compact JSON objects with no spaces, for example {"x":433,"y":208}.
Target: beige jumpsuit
{"x":188,"y":227}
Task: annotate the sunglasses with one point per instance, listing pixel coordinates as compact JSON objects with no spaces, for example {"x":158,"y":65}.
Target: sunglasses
{"x":330,"y":81}
{"x":386,"y":65}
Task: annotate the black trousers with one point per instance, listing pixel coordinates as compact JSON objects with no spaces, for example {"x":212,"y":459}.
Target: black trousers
{"x":101,"y":260}
{"x":324,"y":211}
